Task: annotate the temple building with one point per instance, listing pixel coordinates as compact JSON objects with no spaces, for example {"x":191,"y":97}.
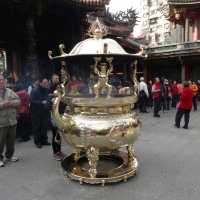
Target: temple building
{"x":30,"y":28}
{"x":179,"y":59}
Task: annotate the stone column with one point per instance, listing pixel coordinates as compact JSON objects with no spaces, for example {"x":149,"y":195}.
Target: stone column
{"x":15,"y":65}
{"x":182,"y":33}
{"x":146,"y":72}
{"x":182,"y":73}
{"x":31,"y":58}
{"x":195,"y":36}
{"x":186,"y":29}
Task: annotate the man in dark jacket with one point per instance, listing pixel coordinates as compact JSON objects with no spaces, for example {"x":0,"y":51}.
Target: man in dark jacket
{"x":40,"y":112}
{"x":184,"y":106}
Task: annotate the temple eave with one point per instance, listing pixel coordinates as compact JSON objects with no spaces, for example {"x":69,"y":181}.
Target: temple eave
{"x":183,"y":2}
{"x":89,"y":3}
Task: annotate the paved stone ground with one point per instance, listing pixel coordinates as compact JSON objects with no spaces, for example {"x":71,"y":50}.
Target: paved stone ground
{"x":169,"y":168}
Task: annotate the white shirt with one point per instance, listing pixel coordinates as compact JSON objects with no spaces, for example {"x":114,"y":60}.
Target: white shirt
{"x":143,"y":86}
{"x":30,"y":88}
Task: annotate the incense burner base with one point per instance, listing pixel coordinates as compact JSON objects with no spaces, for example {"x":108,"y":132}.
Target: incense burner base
{"x":111,"y":167}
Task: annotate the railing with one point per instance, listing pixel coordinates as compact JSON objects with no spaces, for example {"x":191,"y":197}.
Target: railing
{"x":174,"y":47}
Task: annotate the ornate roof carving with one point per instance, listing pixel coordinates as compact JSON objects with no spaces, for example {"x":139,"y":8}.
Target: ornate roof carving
{"x":118,"y":24}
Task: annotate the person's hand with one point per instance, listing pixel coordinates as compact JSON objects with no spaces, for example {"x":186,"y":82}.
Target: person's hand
{"x":7,"y":104}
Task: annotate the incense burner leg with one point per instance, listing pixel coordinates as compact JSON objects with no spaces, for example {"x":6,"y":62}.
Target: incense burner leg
{"x":93,"y":157}
{"x":131,"y":154}
{"x":77,"y":153}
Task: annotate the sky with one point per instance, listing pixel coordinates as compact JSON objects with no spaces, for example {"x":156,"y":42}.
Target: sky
{"x":117,"y":5}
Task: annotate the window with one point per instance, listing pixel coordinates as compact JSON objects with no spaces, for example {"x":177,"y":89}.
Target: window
{"x":157,"y":37}
{"x":157,"y":2}
{"x":166,"y":34}
{"x":145,"y":7}
{"x":144,"y":15}
{"x":153,"y":12}
{"x":149,"y":3}
{"x":151,"y":30}
{"x":150,"y":39}
{"x":166,"y":26}
{"x":145,"y":23}
{"x":159,"y":27}
{"x":153,"y":20}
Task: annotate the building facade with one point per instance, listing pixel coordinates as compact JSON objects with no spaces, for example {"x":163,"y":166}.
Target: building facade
{"x":179,"y":59}
{"x":156,"y":27}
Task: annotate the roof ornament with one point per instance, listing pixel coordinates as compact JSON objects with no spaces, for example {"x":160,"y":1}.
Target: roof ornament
{"x":97,"y":30}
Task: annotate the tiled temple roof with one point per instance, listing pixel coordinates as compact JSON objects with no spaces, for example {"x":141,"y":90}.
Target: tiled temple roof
{"x":90,"y":3}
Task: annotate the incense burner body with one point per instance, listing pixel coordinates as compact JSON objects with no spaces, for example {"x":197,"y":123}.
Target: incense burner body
{"x":103,"y":123}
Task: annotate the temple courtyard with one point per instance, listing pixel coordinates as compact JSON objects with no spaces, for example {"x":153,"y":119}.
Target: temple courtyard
{"x":169,"y":168}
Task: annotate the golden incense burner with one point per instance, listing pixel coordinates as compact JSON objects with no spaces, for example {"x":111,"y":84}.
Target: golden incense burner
{"x":101,"y":127}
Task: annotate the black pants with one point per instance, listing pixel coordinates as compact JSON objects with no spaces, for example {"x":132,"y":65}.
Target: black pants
{"x":150,"y":101}
{"x":194,"y":101}
{"x":56,"y":140}
{"x":175,"y":100}
{"x":179,"y":115}
{"x":157,"y":105}
{"x":23,"y":126}
{"x":7,"y":139}
{"x":40,"y":125}
{"x":168,"y":100}
{"x":142,"y":103}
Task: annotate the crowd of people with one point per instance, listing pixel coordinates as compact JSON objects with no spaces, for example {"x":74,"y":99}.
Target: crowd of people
{"x":25,"y":109}
{"x":164,"y":95}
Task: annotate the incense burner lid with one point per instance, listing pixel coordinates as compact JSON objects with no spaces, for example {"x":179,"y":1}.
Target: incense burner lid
{"x":96,"y":46}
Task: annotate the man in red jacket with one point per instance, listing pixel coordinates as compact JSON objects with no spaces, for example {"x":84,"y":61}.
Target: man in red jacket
{"x":23,"y":119}
{"x":156,"y":93}
{"x":184,"y":106}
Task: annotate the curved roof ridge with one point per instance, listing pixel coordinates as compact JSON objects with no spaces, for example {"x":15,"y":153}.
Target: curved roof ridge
{"x":91,"y":3}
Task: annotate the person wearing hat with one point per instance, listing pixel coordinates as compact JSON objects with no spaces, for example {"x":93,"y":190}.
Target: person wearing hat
{"x":143,"y":95}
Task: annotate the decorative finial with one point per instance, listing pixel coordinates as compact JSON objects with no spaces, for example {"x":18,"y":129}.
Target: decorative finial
{"x":62,"y":47}
{"x":50,"y":53}
{"x":97,"y":29}
{"x":62,"y":53}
